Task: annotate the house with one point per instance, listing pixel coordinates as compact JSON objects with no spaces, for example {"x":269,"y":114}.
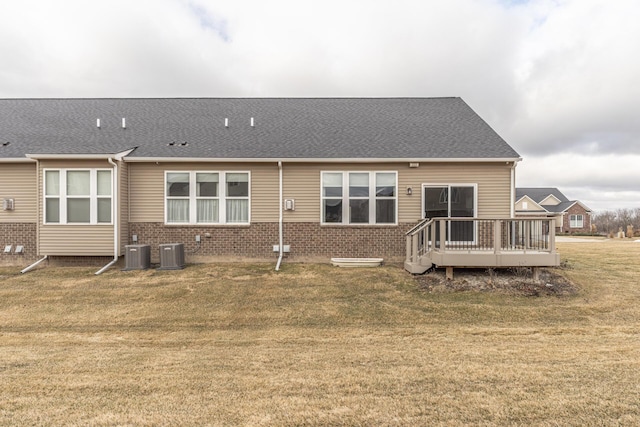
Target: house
{"x":571,"y":216}
{"x":236,"y":179}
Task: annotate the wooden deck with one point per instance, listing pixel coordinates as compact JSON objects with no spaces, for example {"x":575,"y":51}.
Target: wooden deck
{"x":474,"y":242}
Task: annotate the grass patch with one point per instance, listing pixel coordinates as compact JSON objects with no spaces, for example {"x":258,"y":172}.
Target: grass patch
{"x":234,"y":344}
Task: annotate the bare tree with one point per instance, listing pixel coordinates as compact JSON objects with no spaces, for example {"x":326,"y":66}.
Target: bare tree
{"x":605,"y":221}
{"x":608,"y":222}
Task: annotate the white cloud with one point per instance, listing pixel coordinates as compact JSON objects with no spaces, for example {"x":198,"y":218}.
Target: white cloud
{"x":576,"y":78}
{"x":551,"y":76}
{"x":601,"y":182}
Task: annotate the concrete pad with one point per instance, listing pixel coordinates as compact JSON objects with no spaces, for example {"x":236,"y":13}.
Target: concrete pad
{"x":569,"y":239}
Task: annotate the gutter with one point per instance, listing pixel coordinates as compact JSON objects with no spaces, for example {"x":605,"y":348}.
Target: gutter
{"x":280,"y":219}
{"x":16,"y":160}
{"x":98,"y":156}
{"x":114,"y":217}
{"x":320,"y":160}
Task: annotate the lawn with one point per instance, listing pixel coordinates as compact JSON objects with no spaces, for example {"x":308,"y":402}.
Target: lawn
{"x":240,"y":344}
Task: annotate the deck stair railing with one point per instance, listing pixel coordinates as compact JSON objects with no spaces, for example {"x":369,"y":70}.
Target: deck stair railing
{"x":501,"y":236}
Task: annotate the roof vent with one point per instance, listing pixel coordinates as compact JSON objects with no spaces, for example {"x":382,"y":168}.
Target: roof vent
{"x":4,"y":144}
{"x":98,"y":123}
{"x":252,"y":122}
{"x":226,"y":122}
{"x":124,"y":123}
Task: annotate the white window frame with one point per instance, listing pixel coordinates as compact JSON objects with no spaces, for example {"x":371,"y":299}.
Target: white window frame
{"x":576,"y":221}
{"x":449,"y":185}
{"x":345,"y":198}
{"x":221,"y":197}
{"x":93,"y":195}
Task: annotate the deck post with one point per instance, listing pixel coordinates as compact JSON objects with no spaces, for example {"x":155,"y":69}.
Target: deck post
{"x":414,"y":248}
{"x":443,"y":234}
{"x":552,"y":235}
{"x":536,"y":274}
{"x":497,"y":236}
{"x":449,"y":273}
{"x":408,"y":254}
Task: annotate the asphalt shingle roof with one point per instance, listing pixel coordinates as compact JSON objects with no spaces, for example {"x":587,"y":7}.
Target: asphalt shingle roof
{"x":285,"y":128}
{"x":538,"y":194}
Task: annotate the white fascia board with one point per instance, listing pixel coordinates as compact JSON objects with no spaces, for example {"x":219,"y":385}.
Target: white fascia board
{"x":578,"y":202}
{"x":317,"y":160}
{"x":585,"y":207}
{"x":550,"y":196}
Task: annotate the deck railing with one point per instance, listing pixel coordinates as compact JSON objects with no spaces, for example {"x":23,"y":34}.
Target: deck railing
{"x":480,"y":236}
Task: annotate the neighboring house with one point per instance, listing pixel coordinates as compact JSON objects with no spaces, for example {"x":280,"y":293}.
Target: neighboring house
{"x":571,"y":216}
{"x":83,"y":178}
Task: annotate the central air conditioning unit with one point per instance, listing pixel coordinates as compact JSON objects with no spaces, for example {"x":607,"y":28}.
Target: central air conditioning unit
{"x":137,"y":257}
{"x":171,"y":256}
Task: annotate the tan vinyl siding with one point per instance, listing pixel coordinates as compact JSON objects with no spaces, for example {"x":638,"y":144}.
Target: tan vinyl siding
{"x":76,"y":240}
{"x":265,"y":202}
{"x":302,"y":183}
{"x":493,"y":181}
{"x":531,"y":206}
{"x":146,"y":188}
{"x":146,"y":191}
{"x":19,"y":182}
{"x":550,"y":201}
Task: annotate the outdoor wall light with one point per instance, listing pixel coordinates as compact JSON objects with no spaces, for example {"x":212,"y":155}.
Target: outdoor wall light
{"x":409,"y":191}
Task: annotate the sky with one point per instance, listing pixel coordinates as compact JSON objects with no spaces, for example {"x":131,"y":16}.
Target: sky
{"x":557,"y":79}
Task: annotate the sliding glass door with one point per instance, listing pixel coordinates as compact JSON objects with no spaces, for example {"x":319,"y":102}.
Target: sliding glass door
{"x":452,"y":201}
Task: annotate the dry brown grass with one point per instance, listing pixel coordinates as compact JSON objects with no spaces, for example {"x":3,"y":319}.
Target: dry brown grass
{"x":316,"y":345}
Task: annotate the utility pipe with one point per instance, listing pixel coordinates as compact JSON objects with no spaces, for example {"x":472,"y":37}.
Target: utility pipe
{"x":281,"y":242}
{"x":114,"y":215}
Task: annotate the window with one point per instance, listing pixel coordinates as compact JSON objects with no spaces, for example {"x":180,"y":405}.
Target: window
{"x":77,"y":196}
{"x":452,"y":201}
{"x":203,"y":197}
{"x":576,"y":221}
{"x":369,"y":197}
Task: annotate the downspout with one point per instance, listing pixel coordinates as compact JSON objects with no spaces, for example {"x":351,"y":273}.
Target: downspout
{"x":34,"y":264}
{"x":114,"y":217}
{"x":513,"y":190}
{"x":280,"y":232}
{"x":513,"y":201}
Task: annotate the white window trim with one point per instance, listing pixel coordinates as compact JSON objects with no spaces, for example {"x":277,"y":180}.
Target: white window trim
{"x":63,"y":197}
{"x":222,"y":198}
{"x":346,"y":214}
{"x":576,"y":223}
